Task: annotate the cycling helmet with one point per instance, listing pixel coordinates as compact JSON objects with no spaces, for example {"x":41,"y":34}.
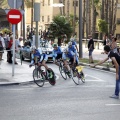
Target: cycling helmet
{"x":69,"y":43}
{"x":55,"y":45}
{"x":32,"y":48}
{"x":65,"y":50}
{"x":71,"y":39}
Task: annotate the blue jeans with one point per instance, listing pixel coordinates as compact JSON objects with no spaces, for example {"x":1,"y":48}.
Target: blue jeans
{"x":117,"y":87}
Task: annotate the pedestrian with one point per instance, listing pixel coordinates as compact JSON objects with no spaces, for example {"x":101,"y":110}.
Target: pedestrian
{"x":114,"y":45}
{"x":9,"y":54}
{"x":90,"y":48}
{"x":116,"y":60}
{"x":2,"y":46}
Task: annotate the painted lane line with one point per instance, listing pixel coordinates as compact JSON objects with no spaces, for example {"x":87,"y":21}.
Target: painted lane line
{"x":94,"y":77}
{"x":14,"y":16}
{"x":112,"y":104}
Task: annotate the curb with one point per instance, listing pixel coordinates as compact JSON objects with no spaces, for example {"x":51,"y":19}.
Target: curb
{"x":21,"y":83}
{"x":99,"y":67}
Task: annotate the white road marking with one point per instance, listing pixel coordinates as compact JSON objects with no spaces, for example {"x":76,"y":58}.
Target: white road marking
{"x":97,"y":79}
{"x":14,"y":16}
{"x":112,"y":104}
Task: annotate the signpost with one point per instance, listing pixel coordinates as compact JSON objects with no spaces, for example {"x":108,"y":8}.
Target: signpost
{"x":14,"y":16}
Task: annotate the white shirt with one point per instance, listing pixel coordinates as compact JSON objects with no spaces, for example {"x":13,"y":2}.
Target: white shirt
{"x":2,"y":40}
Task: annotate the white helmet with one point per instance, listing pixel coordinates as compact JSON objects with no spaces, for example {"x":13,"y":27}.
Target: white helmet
{"x":65,"y":50}
{"x":71,"y":39}
{"x":69,"y":43}
{"x":32,"y":48}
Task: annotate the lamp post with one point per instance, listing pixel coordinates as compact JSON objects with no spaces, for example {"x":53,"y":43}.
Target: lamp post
{"x":80,"y":29}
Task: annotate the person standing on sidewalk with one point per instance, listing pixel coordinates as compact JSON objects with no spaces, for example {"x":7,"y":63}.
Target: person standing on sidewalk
{"x":116,"y":60}
{"x":2,"y":46}
{"x":90,"y":48}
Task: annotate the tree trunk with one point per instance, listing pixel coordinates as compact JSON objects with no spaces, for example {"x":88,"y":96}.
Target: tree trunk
{"x":32,"y":5}
{"x":89,"y":17}
{"x":74,"y":19}
{"x":114,"y":17}
{"x":106,"y":11}
{"x":94,"y":19}
{"x":64,"y":7}
{"x":83,"y":30}
{"x":110,"y":17}
{"x":60,"y":1}
{"x":68,"y":8}
{"x":102,"y":16}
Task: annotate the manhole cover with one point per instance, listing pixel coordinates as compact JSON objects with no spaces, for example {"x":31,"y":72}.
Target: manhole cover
{"x":4,"y":80}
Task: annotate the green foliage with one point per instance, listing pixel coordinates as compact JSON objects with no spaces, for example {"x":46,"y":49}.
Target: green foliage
{"x":5,"y":30}
{"x":60,"y":26}
{"x":102,"y":26}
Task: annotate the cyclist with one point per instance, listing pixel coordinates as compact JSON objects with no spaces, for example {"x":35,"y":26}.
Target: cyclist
{"x":73,"y":49}
{"x":67,"y":54}
{"x":57,"y":53}
{"x":74,"y":43}
{"x":42,"y":57}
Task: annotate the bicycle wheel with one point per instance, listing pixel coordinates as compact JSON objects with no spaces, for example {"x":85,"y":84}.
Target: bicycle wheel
{"x":82,"y":76}
{"x":74,"y":77}
{"x":62,"y":72}
{"x":38,"y":77}
{"x":51,"y":77}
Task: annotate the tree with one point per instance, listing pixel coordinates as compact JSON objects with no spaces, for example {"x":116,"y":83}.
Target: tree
{"x":59,"y":27}
{"x":102,"y":26}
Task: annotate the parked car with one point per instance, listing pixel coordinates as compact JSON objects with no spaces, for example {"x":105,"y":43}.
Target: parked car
{"x":44,"y":47}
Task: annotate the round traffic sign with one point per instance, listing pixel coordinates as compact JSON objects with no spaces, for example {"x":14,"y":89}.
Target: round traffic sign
{"x":14,"y":16}
{"x":18,"y":3}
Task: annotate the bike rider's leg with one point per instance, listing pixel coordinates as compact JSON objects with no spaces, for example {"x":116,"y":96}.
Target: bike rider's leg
{"x":66,"y":65}
{"x":44,"y":64}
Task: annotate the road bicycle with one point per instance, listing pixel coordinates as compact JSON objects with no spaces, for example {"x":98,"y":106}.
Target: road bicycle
{"x":75,"y":73}
{"x":41,"y":75}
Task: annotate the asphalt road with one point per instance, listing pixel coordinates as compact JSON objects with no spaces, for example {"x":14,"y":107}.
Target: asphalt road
{"x":64,"y":101}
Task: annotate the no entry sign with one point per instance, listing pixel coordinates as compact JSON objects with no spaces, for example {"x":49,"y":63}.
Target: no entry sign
{"x":14,"y":16}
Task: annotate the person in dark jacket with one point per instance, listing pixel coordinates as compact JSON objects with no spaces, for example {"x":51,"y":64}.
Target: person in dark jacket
{"x":90,"y":48}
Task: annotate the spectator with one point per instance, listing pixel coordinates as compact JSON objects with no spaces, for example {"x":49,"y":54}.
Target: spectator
{"x":114,"y":45}
{"x":116,"y":60}
{"x":9,"y":54}
{"x":2,"y":46}
{"x":90,"y":48}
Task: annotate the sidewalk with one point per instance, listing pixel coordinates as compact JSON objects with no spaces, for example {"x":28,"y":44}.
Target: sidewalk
{"x":23,"y":74}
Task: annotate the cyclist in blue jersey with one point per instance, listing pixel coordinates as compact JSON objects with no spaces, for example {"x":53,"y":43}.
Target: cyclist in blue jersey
{"x":73,"y":49}
{"x":67,"y":54}
{"x":57,"y":53}
{"x":42,"y":57}
{"x":74,"y":43}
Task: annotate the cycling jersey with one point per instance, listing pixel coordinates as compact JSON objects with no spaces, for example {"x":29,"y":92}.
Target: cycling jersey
{"x":57,"y":53}
{"x":74,"y":43}
{"x":40,"y":57}
{"x":69,"y":55}
{"x":72,"y":48}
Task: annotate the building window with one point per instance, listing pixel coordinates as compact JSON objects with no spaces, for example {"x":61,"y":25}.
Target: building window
{"x":76,"y":3}
{"x":118,"y":36}
{"x":48,"y":2}
{"x":42,"y":18}
{"x":43,"y":2}
{"x":48,"y":18}
{"x":118,"y":21}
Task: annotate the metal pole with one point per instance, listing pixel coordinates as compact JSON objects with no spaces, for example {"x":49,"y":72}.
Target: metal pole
{"x":13,"y":63}
{"x":23,"y":22}
{"x":36,"y":37}
{"x":80,"y":29}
